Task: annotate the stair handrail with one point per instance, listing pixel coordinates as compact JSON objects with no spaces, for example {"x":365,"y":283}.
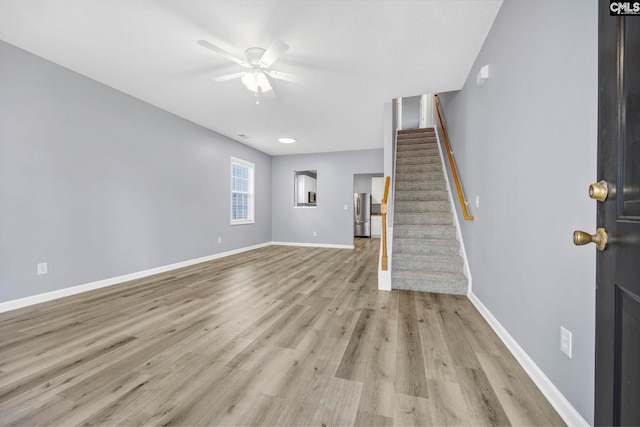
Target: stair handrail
{"x":454,"y":170}
{"x":383,"y":211}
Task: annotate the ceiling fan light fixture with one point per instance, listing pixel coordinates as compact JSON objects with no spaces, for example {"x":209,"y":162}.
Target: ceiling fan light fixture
{"x":287,"y":140}
{"x":256,"y":81}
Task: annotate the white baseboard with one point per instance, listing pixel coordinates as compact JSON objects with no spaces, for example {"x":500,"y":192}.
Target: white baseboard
{"x":553,"y":395}
{"x":48,"y":296}
{"x":314,"y":245}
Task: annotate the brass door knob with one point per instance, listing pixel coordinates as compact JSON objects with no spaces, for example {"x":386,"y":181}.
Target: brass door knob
{"x":599,"y":191}
{"x":582,"y":238}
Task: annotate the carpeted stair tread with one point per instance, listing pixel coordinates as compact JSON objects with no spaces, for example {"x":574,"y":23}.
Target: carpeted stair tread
{"x":421,"y":185}
{"x":424,"y":153}
{"x":421,"y":151}
{"x":431,"y":263}
{"x":418,"y":179}
{"x":427,"y":140}
{"x":422,"y":207}
{"x":418,"y":219}
{"x":409,"y":179}
{"x":431,"y":282}
{"x":417,"y":145}
{"x":420,"y":167}
{"x":410,"y":222}
{"x":431,"y":143}
{"x":415,"y":130}
{"x":419,"y":163}
{"x":412,"y":231}
{"x":429,"y":149}
{"x":407,"y":242}
{"x":428,"y":167}
{"x":419,"y":176}
{"x":421,"y":196}
{"x":416,"y":160}
{"x":426,"y":246}
{"x":415,"y":138}
{"x":411,"y":135}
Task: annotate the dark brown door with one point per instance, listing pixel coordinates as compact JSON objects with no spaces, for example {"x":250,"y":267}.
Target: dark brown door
{"x":618,"y":266}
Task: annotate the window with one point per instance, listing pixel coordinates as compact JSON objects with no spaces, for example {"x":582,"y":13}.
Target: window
{"x":242,"y":192}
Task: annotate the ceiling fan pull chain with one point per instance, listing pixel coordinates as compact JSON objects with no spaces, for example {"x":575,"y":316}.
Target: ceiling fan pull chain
{"x":259,"y":92}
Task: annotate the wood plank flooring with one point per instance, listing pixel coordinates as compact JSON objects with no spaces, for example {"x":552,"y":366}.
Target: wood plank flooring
{"x":275,"y":336}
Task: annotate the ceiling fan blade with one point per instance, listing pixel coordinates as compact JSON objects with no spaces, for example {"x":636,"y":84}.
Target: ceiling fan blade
{"x":273,"y":52}
{"x":226,"y":77}
{"x":222,"y":52}
{"x":283,"y":76}
{"x":273,"y":93}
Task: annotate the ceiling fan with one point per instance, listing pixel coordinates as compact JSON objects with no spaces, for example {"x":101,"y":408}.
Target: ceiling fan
{"x":257,"y":61}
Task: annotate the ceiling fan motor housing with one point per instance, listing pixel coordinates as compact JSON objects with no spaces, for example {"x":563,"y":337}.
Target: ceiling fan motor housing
{"x":253,"y":55}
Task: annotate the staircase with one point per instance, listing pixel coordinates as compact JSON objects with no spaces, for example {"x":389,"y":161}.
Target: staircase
{"x":426,"y":253}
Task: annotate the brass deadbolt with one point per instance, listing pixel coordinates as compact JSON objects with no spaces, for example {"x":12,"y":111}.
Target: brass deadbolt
{"x":599,"y":191}
{"x":582,"y":238}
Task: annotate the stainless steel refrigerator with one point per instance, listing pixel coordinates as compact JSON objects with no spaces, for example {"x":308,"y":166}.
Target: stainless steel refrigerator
{"x":362,"y":214}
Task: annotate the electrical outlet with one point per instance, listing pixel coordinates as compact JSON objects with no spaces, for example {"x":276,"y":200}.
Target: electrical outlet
{"x":219,"y":240}
{"x":565,"y":341}
{"x":315,"y":234}
{"x":42,"y":268}
{"x":346,"y":207}
{"x":477,"y":201}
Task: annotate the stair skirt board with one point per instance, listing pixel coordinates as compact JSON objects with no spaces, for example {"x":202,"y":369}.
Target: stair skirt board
{"x":426,"y":251}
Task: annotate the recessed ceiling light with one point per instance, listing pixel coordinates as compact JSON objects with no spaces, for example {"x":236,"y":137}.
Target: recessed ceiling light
{"x":287,"y":140}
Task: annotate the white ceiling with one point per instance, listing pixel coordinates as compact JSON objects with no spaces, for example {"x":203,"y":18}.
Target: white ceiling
{"x":351,"y":56}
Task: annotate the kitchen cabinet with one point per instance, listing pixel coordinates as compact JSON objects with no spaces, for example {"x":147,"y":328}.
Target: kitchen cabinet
{"x":376,"y":226}
{"x":377,"y":190}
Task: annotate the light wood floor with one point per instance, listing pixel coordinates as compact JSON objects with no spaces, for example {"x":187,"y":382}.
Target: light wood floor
{"x":275,"y":336}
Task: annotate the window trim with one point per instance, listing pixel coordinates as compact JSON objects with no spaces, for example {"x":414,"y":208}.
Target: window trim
{"x":252,"y":196}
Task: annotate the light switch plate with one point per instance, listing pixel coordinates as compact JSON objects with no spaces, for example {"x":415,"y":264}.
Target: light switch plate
{"x":565,"y":341}
{"x":42,"y":268}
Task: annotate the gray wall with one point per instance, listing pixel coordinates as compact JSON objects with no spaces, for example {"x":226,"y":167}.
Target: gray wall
{"x":411,"y":112}
{"x":99,"y":184}
{"x":362,"y":182}
{"x":526,"y":143}
{"x":333,"y":223}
